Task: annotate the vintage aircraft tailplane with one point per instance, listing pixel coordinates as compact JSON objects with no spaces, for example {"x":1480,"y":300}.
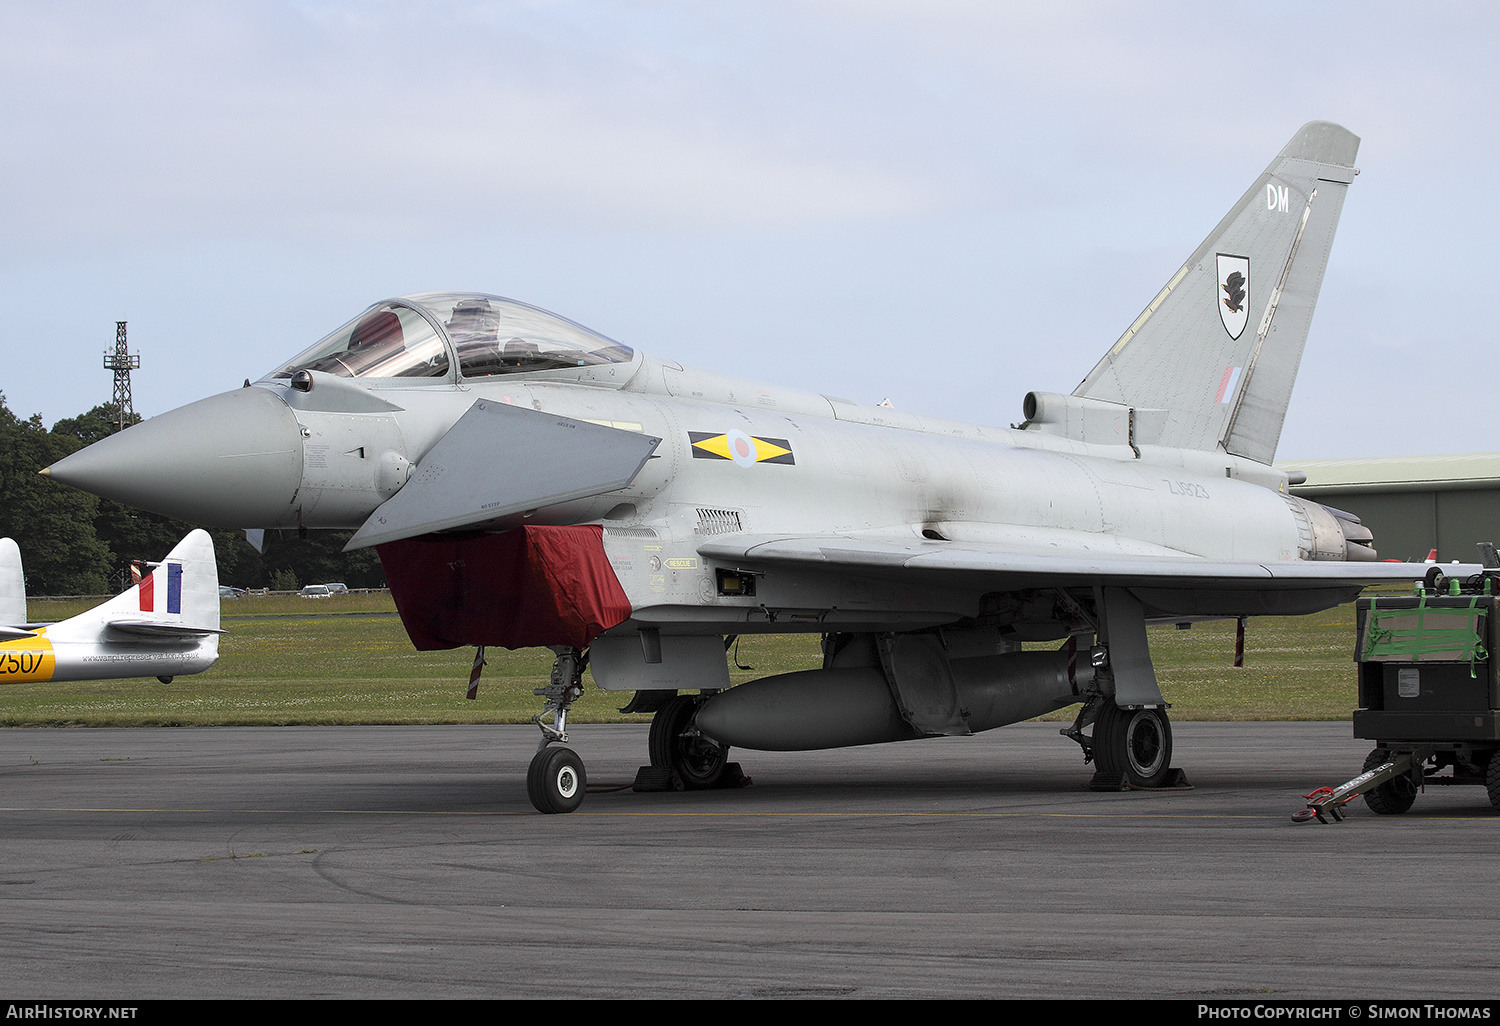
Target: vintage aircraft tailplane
{"x":178,"y":597}
{"x":12,"y":585}
{"x":1217,"y":350}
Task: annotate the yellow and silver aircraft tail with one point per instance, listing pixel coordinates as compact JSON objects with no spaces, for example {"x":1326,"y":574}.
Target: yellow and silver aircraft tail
{"x":167,"y":624}
{"x":1217,"y":350}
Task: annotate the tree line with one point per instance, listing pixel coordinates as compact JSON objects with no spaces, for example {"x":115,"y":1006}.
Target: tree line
{"x":74,"y":543}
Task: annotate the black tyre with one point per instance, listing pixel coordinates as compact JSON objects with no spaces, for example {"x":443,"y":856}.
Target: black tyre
{"x":1392,"y":797}
{"x":697,"y":761}
{"x":556,"y":780}
{"x":1134,"y":743}
{"x":1492,"y":779}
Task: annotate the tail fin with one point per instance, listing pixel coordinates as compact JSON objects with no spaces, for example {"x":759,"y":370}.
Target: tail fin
{"x":1218,"y":347}
{"x":179,"y":597}
{"x":12,"y":585}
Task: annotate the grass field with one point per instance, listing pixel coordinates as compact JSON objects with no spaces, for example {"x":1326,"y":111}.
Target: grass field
{"x":287,"y":660}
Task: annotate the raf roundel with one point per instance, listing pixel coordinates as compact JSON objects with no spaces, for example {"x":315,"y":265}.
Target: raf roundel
{"x":742,"y":449}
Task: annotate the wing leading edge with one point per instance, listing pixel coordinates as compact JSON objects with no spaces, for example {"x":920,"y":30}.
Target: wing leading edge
{"x":1001,"y":568}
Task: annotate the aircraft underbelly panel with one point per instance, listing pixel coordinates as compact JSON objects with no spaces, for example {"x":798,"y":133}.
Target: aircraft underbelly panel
{"x":673,"y":663}
{"x":104,"y":661}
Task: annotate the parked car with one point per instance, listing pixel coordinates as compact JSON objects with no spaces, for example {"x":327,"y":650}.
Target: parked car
{"x":316,"y":591}
{"x":335,"y":588}
{"x":226,"y":591}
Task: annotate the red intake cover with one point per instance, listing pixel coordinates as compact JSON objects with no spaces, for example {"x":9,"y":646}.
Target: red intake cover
{"x":526,"y":587}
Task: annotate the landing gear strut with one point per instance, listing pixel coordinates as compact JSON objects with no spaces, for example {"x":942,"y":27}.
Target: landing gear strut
{"x":556,"y":779}
{"x":1132,"y":741}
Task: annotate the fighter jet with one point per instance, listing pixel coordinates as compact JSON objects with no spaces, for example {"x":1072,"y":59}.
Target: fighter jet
{"x":530,"y":482}
{"x":165,"y":625}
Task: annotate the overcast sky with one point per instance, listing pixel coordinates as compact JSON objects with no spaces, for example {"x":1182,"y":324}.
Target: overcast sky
{"x":941,"y":202}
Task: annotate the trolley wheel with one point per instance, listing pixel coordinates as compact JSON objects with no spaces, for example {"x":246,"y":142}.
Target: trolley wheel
{"x":1435,"y":581}
{"x":1392,"y":797}
{"x":1135,"y":743}
{"x":1492,"y":779}
{"x":556,"y":780}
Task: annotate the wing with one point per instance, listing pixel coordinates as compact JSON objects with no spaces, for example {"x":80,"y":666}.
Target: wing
{"x":498,"y":460}
{"x":156,"y":629}
{"x":1167,"y":581}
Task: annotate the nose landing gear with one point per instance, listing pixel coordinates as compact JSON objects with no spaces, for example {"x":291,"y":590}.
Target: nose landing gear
{"x":556,"y":780}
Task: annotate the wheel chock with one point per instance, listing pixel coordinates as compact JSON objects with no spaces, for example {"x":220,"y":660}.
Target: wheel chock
{"x":1108,"y":782}
{"x":656,"y":778}
{"x":1175,"y":780}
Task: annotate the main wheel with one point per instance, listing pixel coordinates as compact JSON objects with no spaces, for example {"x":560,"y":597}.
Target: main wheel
{"x":1135,"y":743}
{"x":556,"y":780}
{"x":1395,"y":795}
{"x":697,"y":761}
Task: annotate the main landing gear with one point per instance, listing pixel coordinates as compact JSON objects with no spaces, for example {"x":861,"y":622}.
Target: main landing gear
{"x":556,"y":780}
{"x":682,"y":758}
{"x":1130,"y":748}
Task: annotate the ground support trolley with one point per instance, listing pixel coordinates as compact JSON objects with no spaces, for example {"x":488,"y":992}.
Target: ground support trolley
{"x":1429,"y":695}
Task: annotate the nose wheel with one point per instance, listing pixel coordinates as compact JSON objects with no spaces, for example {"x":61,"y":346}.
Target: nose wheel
{"x":556,"y":780}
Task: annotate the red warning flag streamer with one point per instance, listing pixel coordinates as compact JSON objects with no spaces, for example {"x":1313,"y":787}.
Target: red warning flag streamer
{"x":479,"y":665}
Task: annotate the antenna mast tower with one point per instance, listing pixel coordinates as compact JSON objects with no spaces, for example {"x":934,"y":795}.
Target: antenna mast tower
{"x":122,"y":363}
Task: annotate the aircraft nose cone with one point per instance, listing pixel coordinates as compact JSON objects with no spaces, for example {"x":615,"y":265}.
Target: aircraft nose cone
{"x":232,"y":460}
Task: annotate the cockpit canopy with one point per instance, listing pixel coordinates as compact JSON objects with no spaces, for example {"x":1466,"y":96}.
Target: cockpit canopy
{"x":425,"y":335}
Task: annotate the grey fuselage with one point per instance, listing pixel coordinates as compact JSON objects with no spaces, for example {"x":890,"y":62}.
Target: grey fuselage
{"x":853,"y":470}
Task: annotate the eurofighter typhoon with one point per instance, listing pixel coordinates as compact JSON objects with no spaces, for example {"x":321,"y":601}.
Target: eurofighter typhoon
{"x":527,"y":481}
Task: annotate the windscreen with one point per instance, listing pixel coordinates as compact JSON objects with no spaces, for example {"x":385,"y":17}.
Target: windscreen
{"x":390,"y":340}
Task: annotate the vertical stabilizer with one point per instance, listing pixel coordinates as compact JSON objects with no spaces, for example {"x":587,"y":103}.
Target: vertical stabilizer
{"x":181,"y":593}
{"x":1219,"y":346}
{"x":12,"y":585}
